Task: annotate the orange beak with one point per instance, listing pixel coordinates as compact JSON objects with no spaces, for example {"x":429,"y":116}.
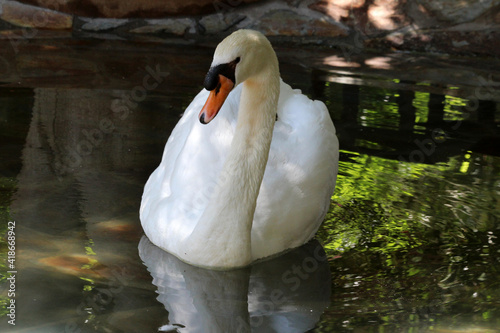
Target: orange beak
{"x":216,"y":99}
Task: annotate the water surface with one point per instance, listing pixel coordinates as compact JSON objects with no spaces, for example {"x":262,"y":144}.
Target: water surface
{"x":410,"y":243}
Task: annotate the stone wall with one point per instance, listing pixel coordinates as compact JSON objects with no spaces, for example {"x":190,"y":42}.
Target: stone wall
{"x":469,"y":27}
{"x":133,"y":8}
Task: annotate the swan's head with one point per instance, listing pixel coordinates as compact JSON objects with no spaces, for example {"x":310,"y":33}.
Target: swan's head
{"x":241,"y":56}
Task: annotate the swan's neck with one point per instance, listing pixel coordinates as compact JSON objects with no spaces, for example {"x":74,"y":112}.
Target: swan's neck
{"x":223,"y":234}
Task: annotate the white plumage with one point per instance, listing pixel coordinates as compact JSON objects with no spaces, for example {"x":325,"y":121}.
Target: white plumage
{"x":198,"y":205}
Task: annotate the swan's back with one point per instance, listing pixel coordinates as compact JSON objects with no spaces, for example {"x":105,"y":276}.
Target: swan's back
{"x":300,"y":175}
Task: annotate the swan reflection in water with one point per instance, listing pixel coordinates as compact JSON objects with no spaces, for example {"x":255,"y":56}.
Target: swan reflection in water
{"x":285,"y":294}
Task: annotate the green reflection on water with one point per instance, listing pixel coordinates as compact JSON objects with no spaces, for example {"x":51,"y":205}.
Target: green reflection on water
{"x":454,"y":108}
{"x":369,"y":192}
{"x":378,"y":108}
{"x":414,"y":246}
{"x":421,"y":105}
{"x":453,"y":197}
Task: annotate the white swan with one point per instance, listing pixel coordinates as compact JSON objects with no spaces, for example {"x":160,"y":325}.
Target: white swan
{"x":246,"y":186}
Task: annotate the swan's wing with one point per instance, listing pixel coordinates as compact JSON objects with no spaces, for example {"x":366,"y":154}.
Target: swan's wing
{"x":300,"y":175}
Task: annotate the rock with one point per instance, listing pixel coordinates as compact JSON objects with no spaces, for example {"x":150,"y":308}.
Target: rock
{"x":459,"y":43}
{"x":176,"y":27}
{"x":34,"y":17}
{"x":100,"y":24}
{"x":136,"y":8}
{"x":368,"y":16}
{"x":386,"y":15}
{"x":337,"y":9}
{"x":456,"y":12}
{"x":344,"y":4}
{"x":289,"y":23}
{"x":215,"y":23}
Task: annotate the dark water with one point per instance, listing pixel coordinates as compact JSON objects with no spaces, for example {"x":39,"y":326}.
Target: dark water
{"x":411,"y":243}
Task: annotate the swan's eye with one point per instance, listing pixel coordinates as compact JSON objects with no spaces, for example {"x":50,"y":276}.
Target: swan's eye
{"x":237,"y":60}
